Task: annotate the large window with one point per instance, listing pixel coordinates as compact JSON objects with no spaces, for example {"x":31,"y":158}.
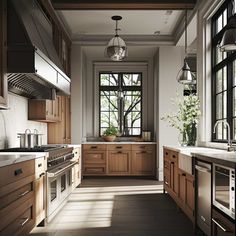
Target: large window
{"x":121,"y":102}
{"x":223,"y":78}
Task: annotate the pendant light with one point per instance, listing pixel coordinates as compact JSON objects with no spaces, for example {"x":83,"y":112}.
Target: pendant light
{"x":116,"y":49}
{"x":228,"y":40}
{"x":185,"y":76}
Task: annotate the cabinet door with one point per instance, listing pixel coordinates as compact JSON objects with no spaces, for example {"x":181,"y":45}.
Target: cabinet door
{"x":143,"y":162}
{"x":174,"y":177}
{"x":40,"y":199}
{"x":190,"y":193}
{"x":119,"y":162}
{"x":3,"y":54}
{"x":182,"y":187}
{"x":67,"y":120}
{"x":49,"y":110}
{"x":57,"y":108}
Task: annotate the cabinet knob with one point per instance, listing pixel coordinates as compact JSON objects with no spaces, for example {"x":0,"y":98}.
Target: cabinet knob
{"x":94,"y":147}
{"x":18,"y":172}
{"x":183,"y":174}
{"x":119,"y":152}
{"x":173,"y":156}
{"x":166,"y":153}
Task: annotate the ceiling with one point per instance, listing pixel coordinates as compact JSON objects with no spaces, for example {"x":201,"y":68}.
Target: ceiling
{"x":89,"y":23}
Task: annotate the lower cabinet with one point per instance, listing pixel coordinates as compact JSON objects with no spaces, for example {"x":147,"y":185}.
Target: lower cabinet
{"x":221,"y":226}
{"x":119,"y":159}
{"x":143,"y":162}
{"x":178,"y":183}
{"x":119,"y":162}
{"x":17,"y":198}
{"x":186,"y":193}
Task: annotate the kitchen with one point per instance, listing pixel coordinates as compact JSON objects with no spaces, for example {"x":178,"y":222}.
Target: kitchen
{"x":62,"y":89}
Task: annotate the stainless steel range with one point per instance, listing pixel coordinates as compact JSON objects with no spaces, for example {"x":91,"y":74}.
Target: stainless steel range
{"x":58,"y":175}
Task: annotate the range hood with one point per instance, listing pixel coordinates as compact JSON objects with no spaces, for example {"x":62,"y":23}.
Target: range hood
{"x":33,"y":66}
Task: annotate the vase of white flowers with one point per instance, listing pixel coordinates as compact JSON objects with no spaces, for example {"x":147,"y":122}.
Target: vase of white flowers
{"x":186,"y":118}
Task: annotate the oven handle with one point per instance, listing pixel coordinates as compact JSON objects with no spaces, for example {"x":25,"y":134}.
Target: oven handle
{"x":51,"y":175}
{"x":202,"y":169}
{"x":220,"y":225}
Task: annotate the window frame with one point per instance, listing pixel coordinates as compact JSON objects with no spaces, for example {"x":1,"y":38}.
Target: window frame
{"x":126,"y":88}
{"x":228,"y":62}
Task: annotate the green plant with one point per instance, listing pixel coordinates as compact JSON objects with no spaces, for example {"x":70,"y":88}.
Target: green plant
{"x":186,"y":118}
{"x":112,"y":130}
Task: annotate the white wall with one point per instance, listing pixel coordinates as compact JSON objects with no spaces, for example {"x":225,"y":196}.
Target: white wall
{"x":76,"y":93}
{"x":15,"y":120}
{"x":170,"y":62}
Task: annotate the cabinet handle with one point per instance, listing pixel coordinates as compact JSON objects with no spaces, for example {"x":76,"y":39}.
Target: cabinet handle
{"x":144,"y":152}
{"x":39,"y":165}
{"x":18,"y":172}
{"x":166,"y":183}
{"x":94,"y":147}
{"x":166,"y":153}
{"x":172,"y":163}
{"x":183,"y":174}
{"x":119,"y":152}
{"x":173,"y":156}
{"x":23,"y":194}
{"x":118,"y":147}
{"x":216,"y":221}
{"x":25,"y":221}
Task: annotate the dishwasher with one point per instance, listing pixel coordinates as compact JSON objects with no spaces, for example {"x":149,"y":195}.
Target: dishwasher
{"x":203,"y":204}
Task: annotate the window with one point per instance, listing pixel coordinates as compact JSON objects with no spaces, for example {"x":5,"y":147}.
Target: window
{"x":223,"y":78}
{"x":121,"y":102}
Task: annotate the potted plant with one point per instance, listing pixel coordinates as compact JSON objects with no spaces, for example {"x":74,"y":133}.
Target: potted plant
{"x":186,"y":119}
{"x":109,"y":135}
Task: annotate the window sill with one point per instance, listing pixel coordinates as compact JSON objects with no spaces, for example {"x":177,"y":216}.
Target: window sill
{"x":214,"y":145}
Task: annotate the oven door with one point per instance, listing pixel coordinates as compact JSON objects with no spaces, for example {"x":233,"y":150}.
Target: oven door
{"x":221,"y":188}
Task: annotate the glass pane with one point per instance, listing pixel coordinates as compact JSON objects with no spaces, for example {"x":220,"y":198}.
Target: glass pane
{"x":219,"y":81}
{"x":114,"y":118}
{"x":108,"y":79}
{"x":127,"y":79}
{"x":219,"y":22}
{"x":219,"y":106}
{"x":104,"y":103}
{"x":234,"y":73}
{"x":234,"y":129}
{"x":63,"y":183}
{"x":224,"y":131}
{"x":136,"y":131}
{"x":105,"y":118}
{"x":234,"y":101}
{"x":225,"y":18}
{"x":219,"y":55}
{"x":53,"y":189}
{"x":132,"y":79}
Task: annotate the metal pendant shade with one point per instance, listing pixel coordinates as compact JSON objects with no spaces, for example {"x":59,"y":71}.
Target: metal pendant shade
{"x":185,"y":76}
{"x":116,"y":49}
{"x":228,"y":41}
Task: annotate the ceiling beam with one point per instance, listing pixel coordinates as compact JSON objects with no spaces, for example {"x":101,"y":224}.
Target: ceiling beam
{"x":123,"y":4}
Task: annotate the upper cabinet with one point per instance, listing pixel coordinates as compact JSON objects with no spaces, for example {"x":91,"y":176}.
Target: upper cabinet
{"x":61,"y":40}
{"x":3,"y":54}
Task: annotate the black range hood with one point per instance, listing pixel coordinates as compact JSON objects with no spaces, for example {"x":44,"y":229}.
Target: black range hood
{"x":33,"y":66}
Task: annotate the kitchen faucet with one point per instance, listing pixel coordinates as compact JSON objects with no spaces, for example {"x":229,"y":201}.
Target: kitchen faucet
{"x":230,"y":145}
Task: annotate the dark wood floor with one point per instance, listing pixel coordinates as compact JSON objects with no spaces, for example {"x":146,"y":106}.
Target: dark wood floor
{"x":112,"y":207}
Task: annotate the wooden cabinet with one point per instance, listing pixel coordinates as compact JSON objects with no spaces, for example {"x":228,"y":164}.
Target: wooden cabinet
{"x":45,"y":110}
{"x":143,"y":160}
{"x":40,"y":190}
{"x":119,"y":162}
{"x":119,"y":159}
{"x":178,"y":183}
{"x":94,"y":159}
{"x":17,"y":198}
{"x":186,"y":193}
{"x":222,"y":226}
{"x":171,"y":173}
{"x":3,"y":54}
{"x":60,"y":132}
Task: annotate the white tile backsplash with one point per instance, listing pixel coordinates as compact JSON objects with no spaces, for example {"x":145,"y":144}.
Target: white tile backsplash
{"x":15,"y":120}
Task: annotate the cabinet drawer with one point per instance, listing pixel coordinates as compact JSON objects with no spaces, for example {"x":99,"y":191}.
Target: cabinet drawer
{"x":94,"y":157}
{"x":94,"y":170}
{"x":94,"y":146}
{"x":15,"y":172}
{"x":23,"y":221}
{"x":119,"y":147}
{"x":19,"y":193}
{"x":141,"y":147}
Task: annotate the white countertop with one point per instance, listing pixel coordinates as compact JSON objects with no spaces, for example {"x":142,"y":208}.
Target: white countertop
{"x":219,"y":154}
{"x":9,"y":158}
{"x":128,"y":142}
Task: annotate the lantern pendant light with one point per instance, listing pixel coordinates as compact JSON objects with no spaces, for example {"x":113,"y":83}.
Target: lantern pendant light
{"x":228,"y":40}
{"x":185,"y":76}
{"x":116,"y":49}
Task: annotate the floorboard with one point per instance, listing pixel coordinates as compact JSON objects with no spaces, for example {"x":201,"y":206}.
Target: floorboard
{"x":118,"y":206}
